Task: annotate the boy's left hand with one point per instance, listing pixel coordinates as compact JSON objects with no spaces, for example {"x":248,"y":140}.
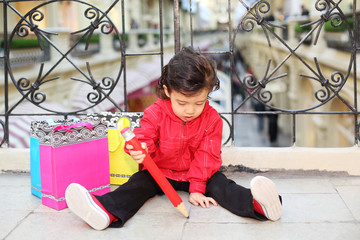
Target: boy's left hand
{"x":202,"y":200}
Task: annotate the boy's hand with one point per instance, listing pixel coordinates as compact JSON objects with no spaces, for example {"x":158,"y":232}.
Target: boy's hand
{"x":202,"y":200}
{"x":138,"y":156}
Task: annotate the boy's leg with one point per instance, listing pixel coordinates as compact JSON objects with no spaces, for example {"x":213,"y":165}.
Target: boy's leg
{"x":86,"y":206}
{"x":115,"y":207}
{"x":231,"y":196}
{"x":266,"y":198}
{"x":235,"y":198}
{"x":128,"y":198}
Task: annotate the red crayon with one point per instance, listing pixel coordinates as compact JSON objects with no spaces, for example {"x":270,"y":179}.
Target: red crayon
{"x":155,"y":172}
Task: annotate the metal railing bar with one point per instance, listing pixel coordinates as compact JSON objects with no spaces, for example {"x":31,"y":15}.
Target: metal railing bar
{"x":161,"y":34}
{"x":123,"y":51}
{"x":354,"y":43}
{"x":10,"y":1}
{"x":177,"y":26}
{"x":232,"y":72}
{"x":6,"y":78}
{"x":191,"y":26}
{"x":247,"y":112}
{"x":293,"y":129}
{"x":47,"y":114}
{"x":143,"y":54}
{"x":216,"y":52}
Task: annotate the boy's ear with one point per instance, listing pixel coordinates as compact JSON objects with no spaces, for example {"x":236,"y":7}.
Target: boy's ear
{"x":166,"y":91}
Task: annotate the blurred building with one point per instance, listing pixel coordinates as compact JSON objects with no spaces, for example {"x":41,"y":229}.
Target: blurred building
{"x":138,"y":23}
{"x":297,"y":90}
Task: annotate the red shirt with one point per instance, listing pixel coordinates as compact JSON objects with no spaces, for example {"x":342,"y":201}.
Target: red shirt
{"x":188,"y":151}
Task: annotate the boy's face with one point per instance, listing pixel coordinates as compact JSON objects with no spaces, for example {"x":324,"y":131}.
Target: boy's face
{"x":187,"y":108}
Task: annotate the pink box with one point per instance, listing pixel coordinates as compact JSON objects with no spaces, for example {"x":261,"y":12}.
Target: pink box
{"x":80,"y":156}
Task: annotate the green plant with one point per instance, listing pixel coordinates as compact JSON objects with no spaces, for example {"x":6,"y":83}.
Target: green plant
{"x":93,"y":39}
{"x":142,"y":36}
{"x":299,"y":29}
{"x":115,"y":37}
{"x":22,"y":43}
{"x":341,"y":28}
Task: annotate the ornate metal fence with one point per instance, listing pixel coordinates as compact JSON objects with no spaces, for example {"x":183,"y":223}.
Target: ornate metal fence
{"x":100,"y":88}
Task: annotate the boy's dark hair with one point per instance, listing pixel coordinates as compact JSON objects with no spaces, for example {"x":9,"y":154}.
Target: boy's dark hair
{"x":188,"y":72}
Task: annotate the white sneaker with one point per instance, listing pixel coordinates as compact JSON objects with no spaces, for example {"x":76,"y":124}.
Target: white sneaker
{"x":81,"y":203}
{"x":265,"y":193}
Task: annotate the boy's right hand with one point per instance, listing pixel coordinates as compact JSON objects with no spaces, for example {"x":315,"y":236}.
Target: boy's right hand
{"x":138,"y":156}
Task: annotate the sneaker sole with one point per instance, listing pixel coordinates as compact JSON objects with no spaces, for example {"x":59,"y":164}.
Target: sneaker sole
{"x":265,"y":193}
{"x":81,"y":203}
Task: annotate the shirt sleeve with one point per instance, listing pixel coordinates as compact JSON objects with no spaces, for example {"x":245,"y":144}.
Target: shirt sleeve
{"x":148,"y":132}
{"x":207,"y":158}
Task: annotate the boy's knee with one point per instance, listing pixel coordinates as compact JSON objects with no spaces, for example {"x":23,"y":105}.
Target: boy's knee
{"x":143,"y":180}
{"x":216,"y":183}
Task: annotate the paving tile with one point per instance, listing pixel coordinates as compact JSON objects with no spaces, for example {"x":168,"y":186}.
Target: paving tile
{"x":272,"y":231}
{"x":15,"y":179}
{"x":301,"y":185}
{"x":68,"y":226}
{"x":352,"y":181}
{"x":214,"y":214}
{"x":9,"y":219}
{"x":21,"y":198}
{"x":351,"y":197}
{"x":45,"y":209}
{"x":153,"y":226}
{"x":296,"y":185}
{"x":54,"y":226}
{"x":311,"y":208}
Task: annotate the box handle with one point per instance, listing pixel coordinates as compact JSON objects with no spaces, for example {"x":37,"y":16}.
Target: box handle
{"x":68,"y":127}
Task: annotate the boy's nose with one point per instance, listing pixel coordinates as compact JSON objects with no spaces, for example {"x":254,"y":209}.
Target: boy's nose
{"x":189,"y":110}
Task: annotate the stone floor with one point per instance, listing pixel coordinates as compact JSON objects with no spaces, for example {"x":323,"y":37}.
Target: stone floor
{"x":316,"y":205}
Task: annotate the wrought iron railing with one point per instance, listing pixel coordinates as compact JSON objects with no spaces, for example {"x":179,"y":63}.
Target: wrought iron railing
{"x":97,"y":20}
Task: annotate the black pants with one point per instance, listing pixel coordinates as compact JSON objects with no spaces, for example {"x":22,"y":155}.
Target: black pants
{"x":128,"y":198}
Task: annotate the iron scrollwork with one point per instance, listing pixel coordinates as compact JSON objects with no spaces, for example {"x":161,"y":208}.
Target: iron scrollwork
{"x":256,"y":17}
{"x":259,"y":87}
{"x":336,"y":83}
{"x":4,"y":132}
{"x":107,"y":84}
{"x":23,"y":29}
{"x":330,"y":86}
{"x":101,"y":87}
{"x":30,"y":89}
{"x":106,"y":26}
{"x":29,"y":24}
